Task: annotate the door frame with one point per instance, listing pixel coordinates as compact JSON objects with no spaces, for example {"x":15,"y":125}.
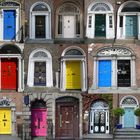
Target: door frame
{"x":60,"y":98}
{"x":17,"y":21}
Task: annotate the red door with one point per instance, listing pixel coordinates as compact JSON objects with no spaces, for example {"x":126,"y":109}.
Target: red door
{"x":38,"y":122}
{"x":9,"y":73}
{"x":67,"y":122}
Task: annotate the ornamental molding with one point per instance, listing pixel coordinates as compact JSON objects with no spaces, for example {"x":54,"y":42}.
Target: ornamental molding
{"x":114,"y":51}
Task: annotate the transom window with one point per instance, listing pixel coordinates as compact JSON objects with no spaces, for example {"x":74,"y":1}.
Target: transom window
{"x":40,"y":7}
{"x":99,"y":105}
{"x":129,"y":101}
{"x":73,"y":52}
{"x":100,"y":7}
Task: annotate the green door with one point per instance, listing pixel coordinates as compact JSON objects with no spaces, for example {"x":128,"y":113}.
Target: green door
{"x":100,"y":25}
{"x":131,"y":26}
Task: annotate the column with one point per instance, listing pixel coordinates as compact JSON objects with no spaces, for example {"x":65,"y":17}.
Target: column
{"x":84,"y":80}
{"x":114,"y":73}
{"x":138,"y":26}
{"x":133,"y":72}
{"x":124,"y":20}
{"x":19,"y":75}
{"x":95,"y":74}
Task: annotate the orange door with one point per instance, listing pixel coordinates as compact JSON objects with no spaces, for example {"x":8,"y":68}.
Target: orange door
{"x":8,"y":73}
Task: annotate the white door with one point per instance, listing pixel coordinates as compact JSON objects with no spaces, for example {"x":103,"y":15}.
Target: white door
{"x":69,"y":26}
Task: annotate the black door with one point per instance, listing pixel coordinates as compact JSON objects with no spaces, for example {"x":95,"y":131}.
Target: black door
{"x":99,"y":122}
{"x":124,"y":77}
{"x":40,"y":26}
{"x":100,"y":25}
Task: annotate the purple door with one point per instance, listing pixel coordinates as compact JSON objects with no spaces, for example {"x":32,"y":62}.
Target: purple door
{"x":38,"y":122}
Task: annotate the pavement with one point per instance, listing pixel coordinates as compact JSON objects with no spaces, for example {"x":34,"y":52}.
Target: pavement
{"x":9,"y":137}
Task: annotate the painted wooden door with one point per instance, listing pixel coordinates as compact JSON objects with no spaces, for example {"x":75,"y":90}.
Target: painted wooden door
{"x":9,"y":73}
{"x":69,"y":26}
{"x":131,"y":26}
{"x":104,"y":73}
{"x":100,"y":25}
{"x":5,"y":121}
{"x":40,"y":73}
{"x":73,"y":75}
{"x":67,"y":124}
{"x":129,"y":117}
{"x":38,"y":122}
{"x":99,"y":122}
{"x":9,"y":24}
{"x":124,"y":73}
{"x":40,"y":27}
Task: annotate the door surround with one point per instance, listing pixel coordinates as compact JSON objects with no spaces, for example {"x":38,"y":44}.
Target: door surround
{"x":129,"y":102}
{"x":66,"y":102}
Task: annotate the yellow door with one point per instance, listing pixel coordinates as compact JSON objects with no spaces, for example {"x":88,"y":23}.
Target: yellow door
{"x":5,"y":121}
{"x":73,"y":75}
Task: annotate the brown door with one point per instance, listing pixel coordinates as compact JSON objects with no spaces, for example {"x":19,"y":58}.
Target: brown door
{"x":67,"y":121}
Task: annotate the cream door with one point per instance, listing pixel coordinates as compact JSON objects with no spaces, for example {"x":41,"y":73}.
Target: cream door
{"x":69,"y":26}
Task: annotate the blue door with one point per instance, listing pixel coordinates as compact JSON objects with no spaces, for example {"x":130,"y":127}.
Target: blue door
{"x":9,"y":24}
{"x":131,"y":26}
{"x":129,"y":117}
{"x":104,"y":75}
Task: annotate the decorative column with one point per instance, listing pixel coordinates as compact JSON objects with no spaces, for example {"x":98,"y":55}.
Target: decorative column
{"x":138,"y":26}
{"x":133,"y":72}
{"x":84,"y":81}
{"x":95,"y":73}
{"x":124,"y":20}
{"x":114,"y":72}
{"x":19,"y":75}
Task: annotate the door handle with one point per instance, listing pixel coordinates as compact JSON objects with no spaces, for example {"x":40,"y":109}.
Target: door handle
{"x":60,"y":120}
{"x":67,"y":122}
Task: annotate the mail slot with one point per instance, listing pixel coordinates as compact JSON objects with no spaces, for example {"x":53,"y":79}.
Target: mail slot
{"x":9,"y":26}
{"x":38,"y":122}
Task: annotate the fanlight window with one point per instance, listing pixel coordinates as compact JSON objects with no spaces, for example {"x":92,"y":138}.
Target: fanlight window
{"x":73,"y":52}
{"x":129,"y":101}
{"x":40,"y":7}
{"x":131,"y":7}
{"x":100,"y":7}
{"x":99,"y":105}
{"x":40,"y":54}
{"x":69,"y":8}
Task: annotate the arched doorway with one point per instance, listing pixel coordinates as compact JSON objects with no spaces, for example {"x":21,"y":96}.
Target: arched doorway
{"x":11,"y":67}
{"x":67,"y":118}
{"x":129,"y":103}
{"x":38,"y":118}
{"x":99,"y":117}
{"x":73,"y":69}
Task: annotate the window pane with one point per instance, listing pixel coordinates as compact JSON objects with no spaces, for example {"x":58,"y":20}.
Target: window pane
{"x":77,"y":24}
{"x":110,"y":22}
{"x":40,"y":7}
{"x":121,"y":21}
{"x":59,"y":24}
{"x":89,"y":22}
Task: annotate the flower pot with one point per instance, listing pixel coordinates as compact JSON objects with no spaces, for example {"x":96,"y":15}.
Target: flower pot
{"x":137,"y":126}
{"x":119,"y":126}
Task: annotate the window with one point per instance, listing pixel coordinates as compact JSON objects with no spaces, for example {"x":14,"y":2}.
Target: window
{"x":110,"y":22}
{"x":40,"y":69}
{"x":90,"y":22}
{"x":121,"y":21}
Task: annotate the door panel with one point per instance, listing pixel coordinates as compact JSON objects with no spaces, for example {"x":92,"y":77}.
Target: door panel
{"x":99,"y":122}
{"x":129,"y":117}
{"x":5,"y":121}
{"x":104,"y":75}
{"x":69,"y":26}
{"x":40,"y":26}
{"x":38,"y":122}
{"x":73,"y":75}
{"x":100,"y":25}
{"x":40,"y":74}
{"x":124,"y":76}
{"x":67,"y":121}
{"x":131,"y":26}
{"x":9,"y":73}
{"x":9,"y":24}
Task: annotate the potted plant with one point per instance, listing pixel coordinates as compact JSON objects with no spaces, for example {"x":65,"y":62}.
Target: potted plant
{"x":137,"y":113}
{"x":117,"y":112}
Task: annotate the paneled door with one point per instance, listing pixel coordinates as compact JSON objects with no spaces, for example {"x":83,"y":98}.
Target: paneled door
{"x":38,"y":122}
{"x":9,"y":24}
{"x":69,"y":26}
{"x":131,"y":26}
{"x":100,"y":25}
{"x":129,"y":117}
{"x":104,"y":73}
{"x":9,"y":73}
{"x":73,"y":75}
{"x":5,"y":121}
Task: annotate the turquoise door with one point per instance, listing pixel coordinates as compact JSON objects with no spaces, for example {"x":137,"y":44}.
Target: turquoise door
{"x":104,"y":73}
{"x":129,"y":117}
{"x":131,"y":26}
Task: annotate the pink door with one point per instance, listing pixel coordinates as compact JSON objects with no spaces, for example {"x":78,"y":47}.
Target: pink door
{"x":38,"y":122}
